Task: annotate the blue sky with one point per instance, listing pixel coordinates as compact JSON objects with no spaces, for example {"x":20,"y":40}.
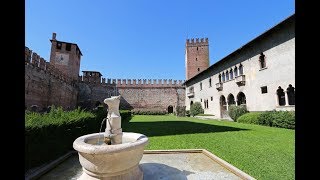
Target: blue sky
{"x":145,"y":39}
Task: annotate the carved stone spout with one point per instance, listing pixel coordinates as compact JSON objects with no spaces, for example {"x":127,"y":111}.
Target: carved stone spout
{"x":113,"y":129}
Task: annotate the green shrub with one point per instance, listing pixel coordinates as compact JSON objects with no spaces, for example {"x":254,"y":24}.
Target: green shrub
{"x":188,"y":113}
{"x":181,"y":111}
{"x":266,"y":118}
{"x":285,"y":119}
{"x":282,"y":119}
{"x":236,"y":111}
{"x":125,"y":115}
{"x":196,"y":109}
{"x":249,"y":118}
{"x":148,"y":112}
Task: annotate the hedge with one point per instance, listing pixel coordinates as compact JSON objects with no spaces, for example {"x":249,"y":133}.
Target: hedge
{"x":51,"y":135}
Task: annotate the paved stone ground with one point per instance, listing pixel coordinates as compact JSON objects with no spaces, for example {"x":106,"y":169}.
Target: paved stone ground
{"x":168,"y":166}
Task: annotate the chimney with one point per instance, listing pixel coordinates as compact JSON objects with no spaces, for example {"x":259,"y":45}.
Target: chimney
{"x":54,"y":36}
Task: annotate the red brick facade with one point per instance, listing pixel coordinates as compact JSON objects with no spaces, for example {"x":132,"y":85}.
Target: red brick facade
{"x":196,"y":56}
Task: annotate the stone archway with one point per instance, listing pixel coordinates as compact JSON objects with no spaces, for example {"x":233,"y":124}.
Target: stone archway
{"x":223,"y":107}
{"x":170,"y":109}
{"x":241,"y":99}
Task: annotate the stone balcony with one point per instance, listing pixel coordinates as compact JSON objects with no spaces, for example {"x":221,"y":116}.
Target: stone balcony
{"x":190,"y":94}
{"x":219,"y":86}
{"x":241,"y":80}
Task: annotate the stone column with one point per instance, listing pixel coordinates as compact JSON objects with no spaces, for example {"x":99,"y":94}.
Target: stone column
{"x":277,"y":100}
{"x":286,"y":98}
{"x":227,"y":104}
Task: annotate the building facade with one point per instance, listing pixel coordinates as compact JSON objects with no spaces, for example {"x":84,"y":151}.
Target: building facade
{"x":259,"y":75}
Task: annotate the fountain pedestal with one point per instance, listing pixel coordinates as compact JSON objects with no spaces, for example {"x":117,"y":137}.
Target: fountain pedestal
{"x":118,"y":161}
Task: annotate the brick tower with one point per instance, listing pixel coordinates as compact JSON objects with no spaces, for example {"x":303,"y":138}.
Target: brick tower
{"x":66,"y":57}
{"x":196,"y":56}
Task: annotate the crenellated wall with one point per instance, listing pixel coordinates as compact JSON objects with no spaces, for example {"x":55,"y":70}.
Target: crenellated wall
{"x":138,"y":94}
{"x":45,"y":85}
{"x":133,"y":82}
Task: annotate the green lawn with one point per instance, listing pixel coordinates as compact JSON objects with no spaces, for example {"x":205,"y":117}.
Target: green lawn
{"x":262,"y":152}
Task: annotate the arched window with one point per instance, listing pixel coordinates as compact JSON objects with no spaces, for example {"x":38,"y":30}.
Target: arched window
{"x":291,"y":95}
{"x":223,"y":77}
{"x":240,"y":69}
{"x":191,"y":103}
{"x":219,"y":78}
{"x":231,"y":74}
{"x":231,"y":99}
{"x":235,"y":71}
{"x":281,"y":96}
{"x":198,"y":69}
{"x":227,"y":76}
{"x":262,"y":60}
{"x":200,"y":86}
{"x":210,"y":82}
{"x":241,"y":98}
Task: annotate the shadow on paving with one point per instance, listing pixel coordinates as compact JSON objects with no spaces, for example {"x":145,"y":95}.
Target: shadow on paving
{"x":174,"y":128}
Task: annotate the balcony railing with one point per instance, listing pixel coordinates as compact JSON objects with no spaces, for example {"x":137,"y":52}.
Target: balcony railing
{"x":190,"y":94}
{"x":219,"y":86}
{"x":241,"y":80}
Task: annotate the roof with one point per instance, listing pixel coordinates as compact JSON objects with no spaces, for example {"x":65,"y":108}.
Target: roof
{"x":266,"y":33}
{"x":69,"y":43}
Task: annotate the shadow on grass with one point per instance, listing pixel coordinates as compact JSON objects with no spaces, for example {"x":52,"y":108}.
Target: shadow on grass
{"x":174,"y":128}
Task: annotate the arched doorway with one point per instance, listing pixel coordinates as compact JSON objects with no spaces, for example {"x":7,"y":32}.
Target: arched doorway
{"x":241,"y":99}
{"x":170,"y":109}
{"x":223,"y":107}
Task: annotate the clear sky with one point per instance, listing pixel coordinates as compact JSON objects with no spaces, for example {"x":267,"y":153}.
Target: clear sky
{"x":145,"y":39}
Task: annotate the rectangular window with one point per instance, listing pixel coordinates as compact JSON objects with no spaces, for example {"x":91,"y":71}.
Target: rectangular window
{"x":264,"y":90}
{"x":200,"y":86}
{"x":68,"y":47}
{"x":211,"y":98}
{"x":59,"y":44}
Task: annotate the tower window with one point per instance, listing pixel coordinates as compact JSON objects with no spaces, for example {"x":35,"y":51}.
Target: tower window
{"x":198,"y":69}
{"x":59,"y":45}
{"x":211,"y":98}
{"x":210,"y":82}
{"x":197,"y":48}
{"x":68,"y":47}
{"x":200,"y":86}
{"x":264,"y":90}
{"x":196,"y":59}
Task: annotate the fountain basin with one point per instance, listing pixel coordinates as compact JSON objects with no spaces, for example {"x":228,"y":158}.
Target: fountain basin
{"x":119,"y":161}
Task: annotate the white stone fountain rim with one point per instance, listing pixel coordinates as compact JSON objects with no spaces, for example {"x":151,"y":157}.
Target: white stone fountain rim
{"x":82,"y":147}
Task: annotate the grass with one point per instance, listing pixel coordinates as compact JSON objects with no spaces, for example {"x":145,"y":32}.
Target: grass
{"x":262,"y":152}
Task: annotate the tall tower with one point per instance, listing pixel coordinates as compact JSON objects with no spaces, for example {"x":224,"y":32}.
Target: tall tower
{"x":66,"y":57}
{"x":196,"y":56}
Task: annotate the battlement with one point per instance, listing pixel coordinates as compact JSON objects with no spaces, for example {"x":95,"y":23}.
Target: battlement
{"x":136,"y":82}
{"x":33,"y":60}
{"x":197,"y":42}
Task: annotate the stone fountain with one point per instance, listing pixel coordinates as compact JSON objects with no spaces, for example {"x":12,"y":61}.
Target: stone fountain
{"x":113,"y":154}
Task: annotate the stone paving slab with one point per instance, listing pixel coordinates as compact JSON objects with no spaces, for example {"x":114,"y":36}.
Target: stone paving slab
{"x":164,"y":165}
